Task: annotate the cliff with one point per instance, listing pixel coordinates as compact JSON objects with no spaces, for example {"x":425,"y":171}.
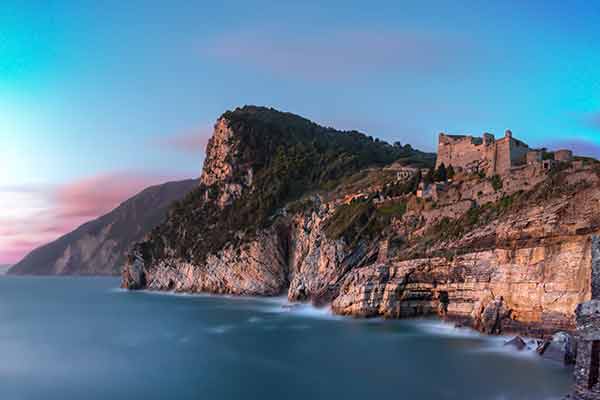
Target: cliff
{"x":286,"y":206}
{"x":99,"y":246}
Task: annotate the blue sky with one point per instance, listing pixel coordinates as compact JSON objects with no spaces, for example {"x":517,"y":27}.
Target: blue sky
{"x":102,"y":91}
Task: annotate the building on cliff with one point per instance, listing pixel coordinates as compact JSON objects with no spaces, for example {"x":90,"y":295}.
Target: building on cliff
{"x":587,"y":365}
{"x":492,"y":156}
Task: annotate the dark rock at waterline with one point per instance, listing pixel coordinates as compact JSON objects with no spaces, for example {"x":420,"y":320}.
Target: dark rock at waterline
{"x":561,"y":347}
{"x":517,"y":342}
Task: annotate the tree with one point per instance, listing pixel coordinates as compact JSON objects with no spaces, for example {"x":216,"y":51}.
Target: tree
{"x":450,"y":172}
{"x":429,"y":177}
{"x":496,"y":182}
{"x":441,"y":175}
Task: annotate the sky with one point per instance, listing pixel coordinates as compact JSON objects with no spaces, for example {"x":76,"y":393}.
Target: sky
{"x":101,"y":99}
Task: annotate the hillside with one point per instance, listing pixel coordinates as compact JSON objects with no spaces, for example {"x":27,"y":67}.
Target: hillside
{"x":286,"y":206}
{"x":258,"y":160}
{"x":98,"y":247}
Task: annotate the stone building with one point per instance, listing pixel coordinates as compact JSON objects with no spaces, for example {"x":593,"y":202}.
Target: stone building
{"x":482,"y":154}
{"x":587,"y":365}
{"x":431,"y":191}
{"x":534,"y":157}
{"x":563,"y":155}
{"x":490,"y":156}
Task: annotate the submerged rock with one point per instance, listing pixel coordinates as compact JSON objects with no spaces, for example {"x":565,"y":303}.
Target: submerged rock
{"x":561,"y":347}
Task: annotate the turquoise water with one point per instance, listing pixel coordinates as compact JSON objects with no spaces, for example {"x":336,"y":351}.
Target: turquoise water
{"x":82,"y":338}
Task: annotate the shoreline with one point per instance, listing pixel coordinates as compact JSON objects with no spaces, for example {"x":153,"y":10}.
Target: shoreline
{"x":449,"y":325}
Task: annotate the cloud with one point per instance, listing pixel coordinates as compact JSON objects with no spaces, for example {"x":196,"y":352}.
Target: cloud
{"x":344,"y":54}
{"x":193,"y":142}
{"x":97,"y":195}
{"x":580,"y":147}
{"x":31,"y":215}
{"x":595,"y":120}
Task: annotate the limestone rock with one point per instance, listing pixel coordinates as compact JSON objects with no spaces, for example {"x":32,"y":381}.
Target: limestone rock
{"x":491,"y":318}
{"x":521,"y":261}
{"x":561,"y":347}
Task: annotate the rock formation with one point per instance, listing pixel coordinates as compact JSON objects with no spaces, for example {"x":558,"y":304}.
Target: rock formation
{"x":99,"y":246}
{"x":286,"y":206}
{"x":587,"y":365}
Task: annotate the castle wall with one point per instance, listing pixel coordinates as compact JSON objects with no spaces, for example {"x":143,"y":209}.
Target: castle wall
{"x":563,"y":155}
{"x":464,"y":152}
{"x":534,"y":157}
{"x":494,"y":157}
{"x":503,"y":157}
{"x":518,"y":152}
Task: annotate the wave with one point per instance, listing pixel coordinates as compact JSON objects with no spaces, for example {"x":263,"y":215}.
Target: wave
{"x":488,"y":343}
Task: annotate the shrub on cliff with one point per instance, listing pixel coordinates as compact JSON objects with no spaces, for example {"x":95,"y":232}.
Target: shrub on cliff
{"x":289,"y":156}
{"x":496,"y":182}
{"x":362,"y":220}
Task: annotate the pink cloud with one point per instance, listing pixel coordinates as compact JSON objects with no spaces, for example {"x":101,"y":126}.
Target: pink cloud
{"x":344,"y":54}
{"x":580,"y":147}
{"x":595,"y":120}
{"x":65,"y":207}
{"x":97,"y":195}
{"x":193,"y":142}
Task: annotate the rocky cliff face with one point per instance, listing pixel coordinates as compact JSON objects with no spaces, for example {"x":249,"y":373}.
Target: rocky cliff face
{"x":98,"y":247}
{"x":512,"y":258}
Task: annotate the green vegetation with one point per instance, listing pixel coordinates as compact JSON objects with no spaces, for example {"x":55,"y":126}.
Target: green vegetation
{"x":362,"y":220}
{"x":441,"y":175}
{"x":451,"y":172}
{"x":290,"y":156}
{"x":547,"y":155}
{"x":496,"y":182}
{"x":402,"y":188}
{"x":429,"y":177}
{"x":448,"y":229}
{"x":394,"y":209}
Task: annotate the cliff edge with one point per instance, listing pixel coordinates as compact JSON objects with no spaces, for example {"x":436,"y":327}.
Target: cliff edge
{"x":287,"y":206}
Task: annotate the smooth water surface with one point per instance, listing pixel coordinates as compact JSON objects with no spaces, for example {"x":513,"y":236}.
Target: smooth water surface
{"x":82,"y":338}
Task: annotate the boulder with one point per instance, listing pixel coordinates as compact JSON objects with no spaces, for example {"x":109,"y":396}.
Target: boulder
{"x":492,"y":316}
{"x":561,"y":347}
{"x":517,"y":342}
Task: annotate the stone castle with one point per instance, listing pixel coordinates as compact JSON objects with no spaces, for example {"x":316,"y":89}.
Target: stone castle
{"x":489,"y":155}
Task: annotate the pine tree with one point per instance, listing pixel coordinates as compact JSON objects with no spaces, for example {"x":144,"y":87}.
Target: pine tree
{"x":441,"y":175}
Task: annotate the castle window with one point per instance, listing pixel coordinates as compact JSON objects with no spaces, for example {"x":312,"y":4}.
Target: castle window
{"x":594,"y":364}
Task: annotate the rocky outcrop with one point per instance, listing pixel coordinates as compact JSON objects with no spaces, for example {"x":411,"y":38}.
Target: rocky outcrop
{"x":517,"y":259}
{"x":517,"y":343}
{"x":561,"y":347}
{"x":258,"y":267}
{"x":99,"y":246}
{"x":530,"y":280}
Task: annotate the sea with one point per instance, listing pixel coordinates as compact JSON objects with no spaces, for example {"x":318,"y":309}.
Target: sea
{"x":65,"y":338}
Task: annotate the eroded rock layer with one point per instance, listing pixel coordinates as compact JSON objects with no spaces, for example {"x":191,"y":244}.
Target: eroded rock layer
{"x":500,"y":256}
